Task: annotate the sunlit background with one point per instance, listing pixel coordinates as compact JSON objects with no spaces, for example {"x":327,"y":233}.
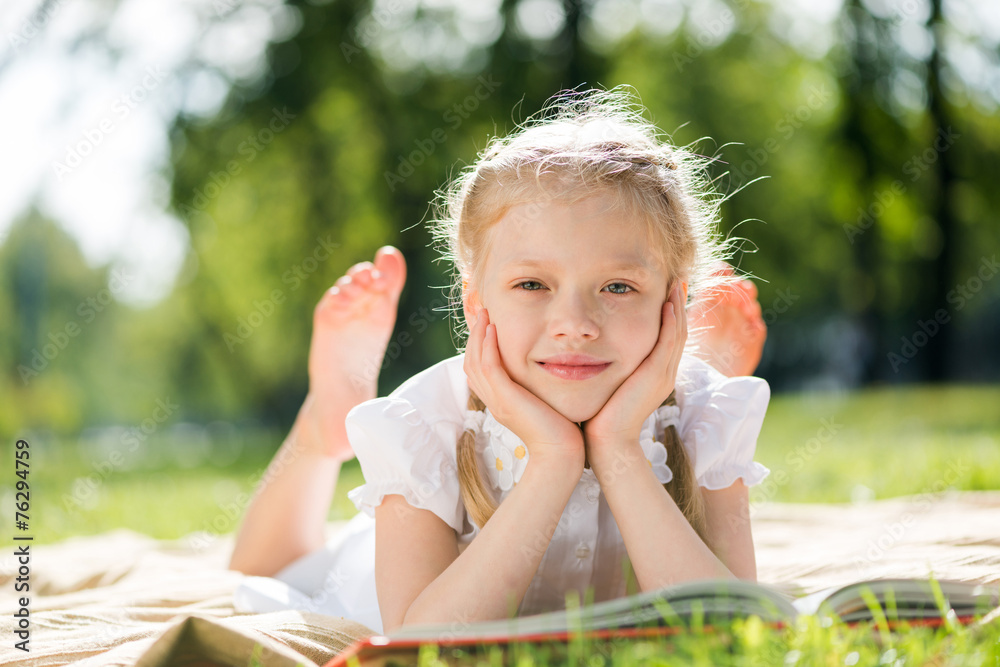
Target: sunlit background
{"x":174,"y":174}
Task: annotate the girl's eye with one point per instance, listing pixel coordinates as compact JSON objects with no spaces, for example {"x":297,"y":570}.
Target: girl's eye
{"x":530,"y":285}
{"x":619,"y":288}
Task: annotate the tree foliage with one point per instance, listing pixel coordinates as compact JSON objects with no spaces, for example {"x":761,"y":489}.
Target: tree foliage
{"x":862,"y":176}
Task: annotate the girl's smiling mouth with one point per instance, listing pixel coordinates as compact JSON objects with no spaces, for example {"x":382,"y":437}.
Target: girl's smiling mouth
{"x":574,"y":366}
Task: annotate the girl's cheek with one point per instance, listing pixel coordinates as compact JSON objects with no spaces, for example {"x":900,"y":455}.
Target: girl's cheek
{"x":506,"y":331}
{"x":646,"y":328}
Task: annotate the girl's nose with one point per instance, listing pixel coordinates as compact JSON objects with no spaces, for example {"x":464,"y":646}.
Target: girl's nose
{"x":573,"y":316}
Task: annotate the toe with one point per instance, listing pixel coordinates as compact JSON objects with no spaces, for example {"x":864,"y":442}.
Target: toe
{"x":364,"y":277}
{"x":328,"y":302}
{"x":391,"y":267}
{"x":350,"y":289}
{"x":360,"y":267}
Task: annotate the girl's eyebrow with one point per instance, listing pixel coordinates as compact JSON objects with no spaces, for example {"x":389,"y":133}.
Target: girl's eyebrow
{"x":612,"y":265}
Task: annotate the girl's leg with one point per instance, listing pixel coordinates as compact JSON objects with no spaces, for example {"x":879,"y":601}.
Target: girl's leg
{"x":351,"y":327}
{"x":732,"y":331}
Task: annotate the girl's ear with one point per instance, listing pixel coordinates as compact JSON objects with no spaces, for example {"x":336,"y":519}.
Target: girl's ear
{"x":470,"y":302}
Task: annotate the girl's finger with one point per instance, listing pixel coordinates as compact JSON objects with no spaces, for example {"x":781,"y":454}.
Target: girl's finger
{"x":482,"y":374}
{"x":668,"y":328}
{"x":682,"y":328}
{"x":652,"y":367}
{"x":474,"y":349}
{"x":673,"y":331}
{"x":492,"y":366}
{"x":472,"y":344}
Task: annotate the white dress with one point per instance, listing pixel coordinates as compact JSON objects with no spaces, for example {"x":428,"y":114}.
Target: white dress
{"x":405,"y":444}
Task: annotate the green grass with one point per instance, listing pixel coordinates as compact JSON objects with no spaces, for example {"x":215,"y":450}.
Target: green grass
{"x":165,"y":489}
{"x":750,"y":642}
{"x":820,"y":448}
{"x":880,"y":444}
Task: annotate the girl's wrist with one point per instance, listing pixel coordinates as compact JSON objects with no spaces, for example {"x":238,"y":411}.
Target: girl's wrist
{"x":560,"y":463}
{"x":598,"y":443}
{"x":613,"y":453}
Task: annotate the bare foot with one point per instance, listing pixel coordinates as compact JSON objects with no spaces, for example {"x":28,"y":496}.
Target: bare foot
{"x":732,"y":330}
{"x":351,"y":328}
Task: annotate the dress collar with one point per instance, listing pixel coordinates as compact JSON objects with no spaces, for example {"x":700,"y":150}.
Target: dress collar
{"x":505,"y":456}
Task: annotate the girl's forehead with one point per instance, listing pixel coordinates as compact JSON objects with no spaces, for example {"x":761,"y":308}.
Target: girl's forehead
{"x":589,"y":231}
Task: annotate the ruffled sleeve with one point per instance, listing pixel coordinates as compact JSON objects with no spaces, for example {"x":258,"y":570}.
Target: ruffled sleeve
{"x":720,"y":419}
{"x":400,"y":453}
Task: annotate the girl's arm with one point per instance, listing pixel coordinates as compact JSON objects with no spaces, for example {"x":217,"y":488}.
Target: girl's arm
{"x":423,"y":579}
{"x":663,"y":547}
{"x":287,"y":514}
{"x":728,"y":528}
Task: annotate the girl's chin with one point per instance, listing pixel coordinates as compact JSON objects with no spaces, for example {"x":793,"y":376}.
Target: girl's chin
{"x":576,"y":412}
{"x":572,"y":405}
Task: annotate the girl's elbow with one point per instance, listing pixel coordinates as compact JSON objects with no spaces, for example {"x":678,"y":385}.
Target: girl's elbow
{"x":393,"y":622}
{"x":396,"y":621}
{"x":745,"y":572}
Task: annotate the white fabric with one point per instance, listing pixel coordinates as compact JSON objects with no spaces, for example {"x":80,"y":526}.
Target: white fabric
{"x":336,"y":580}
{"x":406,"y":442}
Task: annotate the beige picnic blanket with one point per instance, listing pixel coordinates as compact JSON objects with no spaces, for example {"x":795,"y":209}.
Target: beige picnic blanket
{"x":122,"y":598}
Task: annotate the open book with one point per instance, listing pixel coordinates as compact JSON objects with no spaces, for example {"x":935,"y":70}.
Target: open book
{"x":711,"y":601}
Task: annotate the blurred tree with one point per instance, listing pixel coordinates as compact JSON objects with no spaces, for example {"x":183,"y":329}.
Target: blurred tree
{"x":820,"y":138}
{"x":943,"y":266}
{"x":384,"y":110}
{"x":353,"y":168}
{"x":63,"y":319}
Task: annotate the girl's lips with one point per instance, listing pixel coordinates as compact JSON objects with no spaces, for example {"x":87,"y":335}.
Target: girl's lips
{"x":568,"y":372}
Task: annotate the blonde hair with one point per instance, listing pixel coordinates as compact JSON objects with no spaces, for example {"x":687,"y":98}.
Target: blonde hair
{"x":582,"y":143}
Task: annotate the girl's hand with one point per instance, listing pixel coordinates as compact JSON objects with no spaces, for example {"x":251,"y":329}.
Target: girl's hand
{"x":619,"y":422}
{"x":546,"y":433}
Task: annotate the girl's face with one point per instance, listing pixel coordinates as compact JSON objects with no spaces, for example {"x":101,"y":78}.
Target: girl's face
{"x":576,"y":299}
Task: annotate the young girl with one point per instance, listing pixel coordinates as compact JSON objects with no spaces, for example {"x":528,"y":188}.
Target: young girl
{"x":574,"y":446}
